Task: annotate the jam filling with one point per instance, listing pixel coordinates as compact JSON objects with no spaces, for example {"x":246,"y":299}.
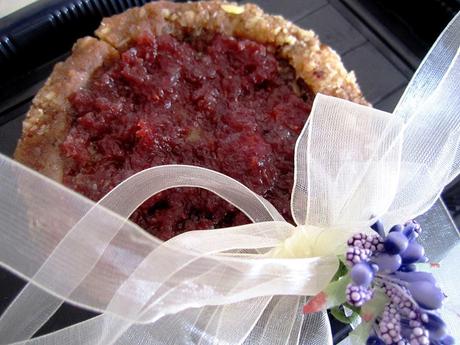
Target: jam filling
{"x":213,"y":101}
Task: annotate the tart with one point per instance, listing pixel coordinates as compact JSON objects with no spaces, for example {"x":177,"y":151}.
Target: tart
{"x":211,"y":84}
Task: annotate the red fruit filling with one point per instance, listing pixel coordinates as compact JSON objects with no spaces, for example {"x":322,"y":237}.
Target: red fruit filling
{"x":218,"y":102}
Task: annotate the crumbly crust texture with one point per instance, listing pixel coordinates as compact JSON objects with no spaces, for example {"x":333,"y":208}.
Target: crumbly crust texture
{"x":48,"y":121}
{"x":49,"y":118}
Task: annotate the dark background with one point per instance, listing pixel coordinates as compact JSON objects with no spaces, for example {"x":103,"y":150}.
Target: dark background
{"x":383,"y":41}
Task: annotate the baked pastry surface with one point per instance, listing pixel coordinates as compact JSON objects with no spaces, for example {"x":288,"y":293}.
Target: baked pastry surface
{"x":51,"y":116}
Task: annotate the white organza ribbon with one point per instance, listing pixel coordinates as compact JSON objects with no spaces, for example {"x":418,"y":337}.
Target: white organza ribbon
{"x":352,"y":165}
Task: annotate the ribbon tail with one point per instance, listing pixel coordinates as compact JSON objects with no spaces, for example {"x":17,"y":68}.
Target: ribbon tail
{"x":316,"y":329}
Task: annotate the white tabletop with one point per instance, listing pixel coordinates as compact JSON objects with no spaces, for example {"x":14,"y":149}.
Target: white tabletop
{"x":9,"y":6}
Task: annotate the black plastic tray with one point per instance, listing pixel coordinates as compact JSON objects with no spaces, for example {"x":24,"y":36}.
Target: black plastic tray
{"x":33,"y":39}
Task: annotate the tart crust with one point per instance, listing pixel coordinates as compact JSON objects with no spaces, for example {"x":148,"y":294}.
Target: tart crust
{"x":48,"y":120}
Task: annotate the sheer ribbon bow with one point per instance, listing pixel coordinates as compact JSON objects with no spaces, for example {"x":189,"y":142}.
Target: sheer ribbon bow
{"x":237,"y":285}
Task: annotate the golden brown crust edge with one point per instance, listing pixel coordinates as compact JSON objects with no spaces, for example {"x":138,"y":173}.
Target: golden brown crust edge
{"x":48,"y":120}
{"x":317,"y":64}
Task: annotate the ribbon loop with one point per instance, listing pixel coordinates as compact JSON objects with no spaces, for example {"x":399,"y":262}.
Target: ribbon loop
{"x":347,"y":164}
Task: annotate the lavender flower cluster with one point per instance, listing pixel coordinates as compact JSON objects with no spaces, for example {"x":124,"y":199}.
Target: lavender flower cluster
{"x":411,"y":315}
